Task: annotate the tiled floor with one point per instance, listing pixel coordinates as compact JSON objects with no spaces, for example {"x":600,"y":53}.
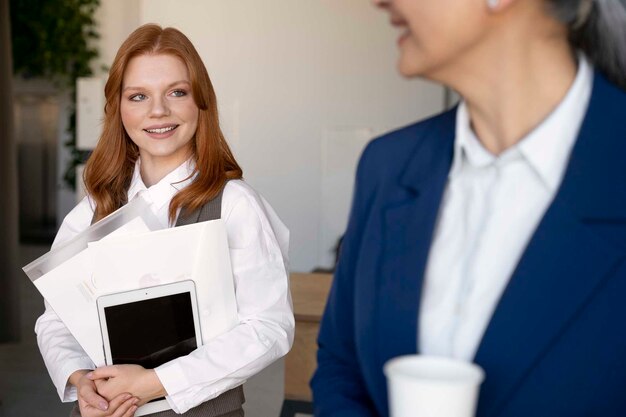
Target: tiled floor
{"x":26,"y":390}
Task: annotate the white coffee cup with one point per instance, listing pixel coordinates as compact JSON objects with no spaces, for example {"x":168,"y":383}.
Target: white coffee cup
{"x":430,"y":386}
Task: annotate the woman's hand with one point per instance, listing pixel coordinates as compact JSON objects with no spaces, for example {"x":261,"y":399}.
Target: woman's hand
{"x":91,"y":404}
{"x":111,"y":381}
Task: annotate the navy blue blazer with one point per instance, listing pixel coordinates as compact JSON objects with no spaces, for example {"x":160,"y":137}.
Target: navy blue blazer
{"x":556,"y":344}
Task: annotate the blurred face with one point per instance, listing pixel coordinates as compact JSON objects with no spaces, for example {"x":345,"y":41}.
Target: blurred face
{"x":158,"y":110}
{"x":435,"y":35}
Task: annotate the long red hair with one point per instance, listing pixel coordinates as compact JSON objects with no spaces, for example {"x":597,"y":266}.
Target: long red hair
{"x":110,"y":167}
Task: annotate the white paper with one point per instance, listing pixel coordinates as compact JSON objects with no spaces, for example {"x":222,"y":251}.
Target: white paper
{"x":124,"y":252}
{"x":198,"y":251}
{"x":69,"y":289}
{"x":137,"y":208}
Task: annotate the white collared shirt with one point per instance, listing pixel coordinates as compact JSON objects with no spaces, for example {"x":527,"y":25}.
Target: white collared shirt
{"x":490,"y":210}
{"x":258,"y":244}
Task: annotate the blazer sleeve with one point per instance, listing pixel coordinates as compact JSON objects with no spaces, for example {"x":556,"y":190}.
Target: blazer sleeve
{"x":338,"y":385}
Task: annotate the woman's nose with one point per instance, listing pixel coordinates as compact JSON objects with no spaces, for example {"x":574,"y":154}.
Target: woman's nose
{"x":159,"y":107}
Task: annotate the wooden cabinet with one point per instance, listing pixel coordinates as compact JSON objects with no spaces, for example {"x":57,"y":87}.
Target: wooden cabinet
{"x":309,"y":292}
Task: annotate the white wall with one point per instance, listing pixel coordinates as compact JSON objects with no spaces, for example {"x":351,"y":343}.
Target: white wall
{"x":302,"y":85}
{"x":116,"y":19}
{"x":294,"y":77}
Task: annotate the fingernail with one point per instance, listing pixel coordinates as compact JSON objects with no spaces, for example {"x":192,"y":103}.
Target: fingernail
{"x":133,"y":408}
{"x":103,"y":406}
{"x":135,"y":401}
{"x":127,"y":396}
{"x":89,"y":375}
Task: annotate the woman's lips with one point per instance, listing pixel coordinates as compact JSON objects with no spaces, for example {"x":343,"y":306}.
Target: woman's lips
{"x":161,"y":132}
{"x":403,"y":36}
{"x":400,"y":23}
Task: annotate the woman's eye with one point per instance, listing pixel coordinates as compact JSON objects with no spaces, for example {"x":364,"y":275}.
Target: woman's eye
{"x":137,"y":97}
{"x":179,"y":93}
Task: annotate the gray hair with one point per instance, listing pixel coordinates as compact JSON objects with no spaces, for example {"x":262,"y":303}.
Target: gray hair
{"x":598,"y":28}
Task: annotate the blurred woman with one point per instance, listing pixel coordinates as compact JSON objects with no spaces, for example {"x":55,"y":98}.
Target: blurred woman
{"x":161,"y":138}
{"x":496,"y":231}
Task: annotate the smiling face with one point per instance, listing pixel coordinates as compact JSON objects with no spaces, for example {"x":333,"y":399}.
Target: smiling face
{"x":158,"y":110}
{"x":435,"y":34}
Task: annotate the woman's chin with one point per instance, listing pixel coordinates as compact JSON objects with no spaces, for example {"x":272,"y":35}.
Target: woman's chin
{"x":413,"y":66}
{"x":409,"y":68}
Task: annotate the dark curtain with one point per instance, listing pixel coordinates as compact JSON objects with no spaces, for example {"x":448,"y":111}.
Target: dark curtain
{"x":9,"y":290}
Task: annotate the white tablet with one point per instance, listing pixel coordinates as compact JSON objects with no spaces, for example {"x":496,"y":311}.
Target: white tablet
{"x":150,"y":326}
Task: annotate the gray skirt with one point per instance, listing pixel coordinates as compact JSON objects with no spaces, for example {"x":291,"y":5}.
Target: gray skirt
{"x":226,"y":405}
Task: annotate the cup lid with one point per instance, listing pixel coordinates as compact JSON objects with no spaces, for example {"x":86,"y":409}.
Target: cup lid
{"x":434,"y":369}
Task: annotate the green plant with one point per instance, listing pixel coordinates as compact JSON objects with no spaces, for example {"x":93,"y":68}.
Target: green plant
{"x":54,"y":39}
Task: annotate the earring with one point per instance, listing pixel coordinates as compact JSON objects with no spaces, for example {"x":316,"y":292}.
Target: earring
{"x":492,"y":4}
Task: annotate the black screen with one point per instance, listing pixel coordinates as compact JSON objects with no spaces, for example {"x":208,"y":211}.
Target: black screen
{"x":151,"y":332}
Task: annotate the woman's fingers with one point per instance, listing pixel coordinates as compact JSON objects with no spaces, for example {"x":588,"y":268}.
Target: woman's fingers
{"x":88,"y":393}
{"x":124,"y":405}
{"x":103,"y":372}
{"x":99,"y":383}
{"x":117,"y":407}
{"x":119,"y":400}
{"x":130,"y":412}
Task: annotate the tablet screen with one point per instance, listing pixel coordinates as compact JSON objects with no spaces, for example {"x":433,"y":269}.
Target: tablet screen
{"x":151,"y":332}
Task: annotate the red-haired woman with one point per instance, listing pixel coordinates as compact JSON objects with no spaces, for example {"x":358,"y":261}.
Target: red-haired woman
{"x":161,"y":138}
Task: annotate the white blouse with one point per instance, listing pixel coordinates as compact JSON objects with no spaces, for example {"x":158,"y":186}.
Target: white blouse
{"x":258,"y":243}
{"x":489,"y":212}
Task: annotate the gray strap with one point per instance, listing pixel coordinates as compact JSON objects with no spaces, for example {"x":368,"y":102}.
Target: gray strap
{"x":211,"y":210}
{"x":227,"y":404}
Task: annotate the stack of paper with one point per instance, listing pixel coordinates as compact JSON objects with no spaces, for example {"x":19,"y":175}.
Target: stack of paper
{"x":128,"y":253}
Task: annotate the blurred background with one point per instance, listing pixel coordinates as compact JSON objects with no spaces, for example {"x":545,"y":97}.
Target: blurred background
{"x":302,"y":86}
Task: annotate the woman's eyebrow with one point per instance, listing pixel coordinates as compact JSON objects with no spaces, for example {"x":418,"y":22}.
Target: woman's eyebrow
{"x":169,"y":86}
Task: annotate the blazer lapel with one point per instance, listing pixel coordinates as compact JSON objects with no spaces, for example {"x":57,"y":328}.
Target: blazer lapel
{"x":567,"y":259}
{"x":408,"y":227}
{"x":562,"y":266}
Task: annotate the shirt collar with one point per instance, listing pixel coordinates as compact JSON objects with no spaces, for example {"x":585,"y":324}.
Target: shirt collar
{"x":546,"y":148}
{"x":549,"y":146}
{"x":467,"y":147}
{"x":162,"y":192}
